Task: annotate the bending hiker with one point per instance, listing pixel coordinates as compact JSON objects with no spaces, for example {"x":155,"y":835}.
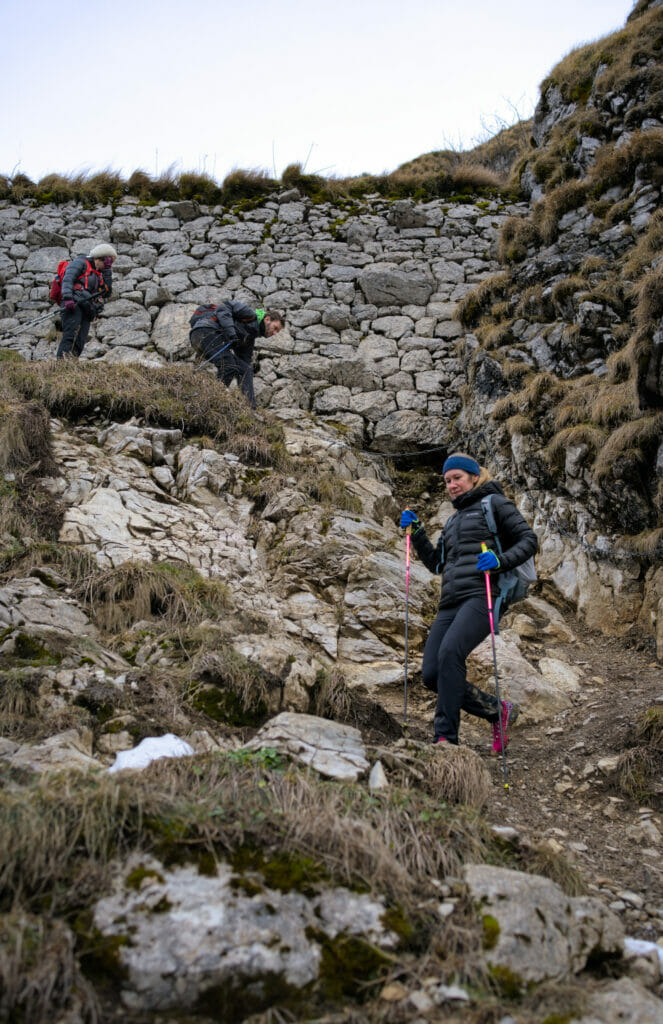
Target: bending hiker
{"x":462,"y":620}
{"x":225,"y":335}
{"x":86,"y":282}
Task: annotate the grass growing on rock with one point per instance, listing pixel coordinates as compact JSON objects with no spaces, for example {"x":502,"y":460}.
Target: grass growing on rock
{"x":173,"y":592}
{"x":174,"y":397}
{"x":40,"y":978}
{"x":55,"y":826}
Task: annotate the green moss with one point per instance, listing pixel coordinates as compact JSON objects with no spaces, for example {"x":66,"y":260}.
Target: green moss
{"x":509,"y":983}
{"x":135,"y":878}
{"x":348,"y":965}
{"x":559,"y":1018}
{"x":100,"y":955}
{"x":101,"y":710}
{"x":29,"y":649}
{"x":395,"y":920}
{"x":177,"y":842}
{"x":491,"y":931}
{"x":226,"y":706}
{"x":240,"y":997}
{"x":282,"y":870}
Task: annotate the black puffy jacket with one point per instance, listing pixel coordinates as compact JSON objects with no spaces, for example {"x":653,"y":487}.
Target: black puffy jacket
{"x":457,"y":550}
{"x":87,"y":286}
{"x":236,"y":323}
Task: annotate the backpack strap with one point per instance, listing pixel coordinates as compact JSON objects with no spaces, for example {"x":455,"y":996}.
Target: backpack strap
{"x":489,"y":516}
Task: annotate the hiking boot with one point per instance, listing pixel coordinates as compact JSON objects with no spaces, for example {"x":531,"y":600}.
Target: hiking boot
{"x":510,"y":713}
{"x":440,"y":739}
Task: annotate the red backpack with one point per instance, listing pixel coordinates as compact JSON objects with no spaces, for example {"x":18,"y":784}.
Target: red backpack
{"x":55,"y":293}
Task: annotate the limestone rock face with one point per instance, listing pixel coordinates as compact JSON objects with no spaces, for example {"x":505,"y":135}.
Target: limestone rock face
{"x":205,"y":932}
{"x":28,"y":605}
{"x":387,"y":285}
{"x":535,"y":932}
{"x":170,"y":334}
{"x":537,"y":696}
{"x":332,"y":749}
{"x":623,"y":1001}
{"x":68,"y":750}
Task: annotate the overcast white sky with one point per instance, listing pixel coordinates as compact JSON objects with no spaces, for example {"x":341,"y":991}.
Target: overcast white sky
{"x":344,"y":87}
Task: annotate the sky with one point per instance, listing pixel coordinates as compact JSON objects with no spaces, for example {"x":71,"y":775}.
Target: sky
{"x":343,"y":87}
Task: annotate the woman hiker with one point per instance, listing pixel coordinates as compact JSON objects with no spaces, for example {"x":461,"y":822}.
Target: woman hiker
{"x":462,"y":620}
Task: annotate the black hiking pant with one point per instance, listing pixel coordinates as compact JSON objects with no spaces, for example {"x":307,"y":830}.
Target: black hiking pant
{"x":455,"y":632}
{"x":75,"y":331}
{"x":229,"y":366}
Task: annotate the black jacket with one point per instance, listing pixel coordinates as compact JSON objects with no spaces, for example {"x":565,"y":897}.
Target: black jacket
{"x":457,"y":550}
{"x":234,"y":322}
{"x":88,"y":293}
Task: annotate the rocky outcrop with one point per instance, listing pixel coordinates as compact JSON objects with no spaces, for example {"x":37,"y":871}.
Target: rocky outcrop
{"x":533,"y":932}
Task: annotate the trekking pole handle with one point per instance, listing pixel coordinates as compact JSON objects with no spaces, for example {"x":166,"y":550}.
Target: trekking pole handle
{"x":489,"y":593}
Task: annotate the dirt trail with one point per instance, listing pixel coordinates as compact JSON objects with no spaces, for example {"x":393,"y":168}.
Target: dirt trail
{"x":556,"y":791}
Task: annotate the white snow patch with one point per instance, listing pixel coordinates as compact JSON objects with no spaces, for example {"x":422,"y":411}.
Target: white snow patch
{"x":151,"y":749}
{"x":642,"y":946}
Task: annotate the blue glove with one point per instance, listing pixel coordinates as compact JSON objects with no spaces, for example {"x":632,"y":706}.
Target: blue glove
{"x":487,"y":561}
{"x":409,"y":518}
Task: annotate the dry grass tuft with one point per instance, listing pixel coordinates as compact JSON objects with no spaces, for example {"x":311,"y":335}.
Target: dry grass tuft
{"x":457,"y":775}
{"x":25,"y":442}
{"x":247,"y":184}
{"x":638,"y":772}
{"x":516,"y":237}
{"x":639,"y":768}
{"x":564,"y":290}
{"x":539,"y":859}
{"x":19,"y":691}
{"x":634,"y":441}
{"x":477,"y":302}
{"x":519,"y":424}
{"x":332,"y":698}
{"x":612,"y":404}
{"x":40,"y":979}
{"x":648,"y":543}
{"x":230,"y":687}
{"x":649,"y":729}
{"x":549,"y":211}
{"x":570,"y":437}
{"x":175,"y":397}
{"x":173,"y":592}
{"x":649,"y":295}
{"x":643,"y":153}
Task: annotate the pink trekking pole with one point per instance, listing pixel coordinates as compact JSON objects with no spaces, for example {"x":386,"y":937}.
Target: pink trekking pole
{"x":408,"y":531}
{"x":489,"y":595}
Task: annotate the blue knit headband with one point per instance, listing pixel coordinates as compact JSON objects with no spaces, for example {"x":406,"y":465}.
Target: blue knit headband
{"x":463,"y":462}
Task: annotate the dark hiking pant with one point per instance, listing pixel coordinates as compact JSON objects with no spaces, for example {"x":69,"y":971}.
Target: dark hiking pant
{"x":454,"y":634}
{"x":229,"y":366}
{"x":75,"y":330}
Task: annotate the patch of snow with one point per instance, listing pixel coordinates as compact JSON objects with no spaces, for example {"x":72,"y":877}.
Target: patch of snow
{"x":151,"y":749}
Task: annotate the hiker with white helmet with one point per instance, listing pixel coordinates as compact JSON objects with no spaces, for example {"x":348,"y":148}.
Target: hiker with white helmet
{"x":225,"y":335}
{"x":464,"y":553}
{"x":87,"y":281}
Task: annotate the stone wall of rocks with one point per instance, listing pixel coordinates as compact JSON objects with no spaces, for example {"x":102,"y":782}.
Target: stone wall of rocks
{"x":369,"y":290}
